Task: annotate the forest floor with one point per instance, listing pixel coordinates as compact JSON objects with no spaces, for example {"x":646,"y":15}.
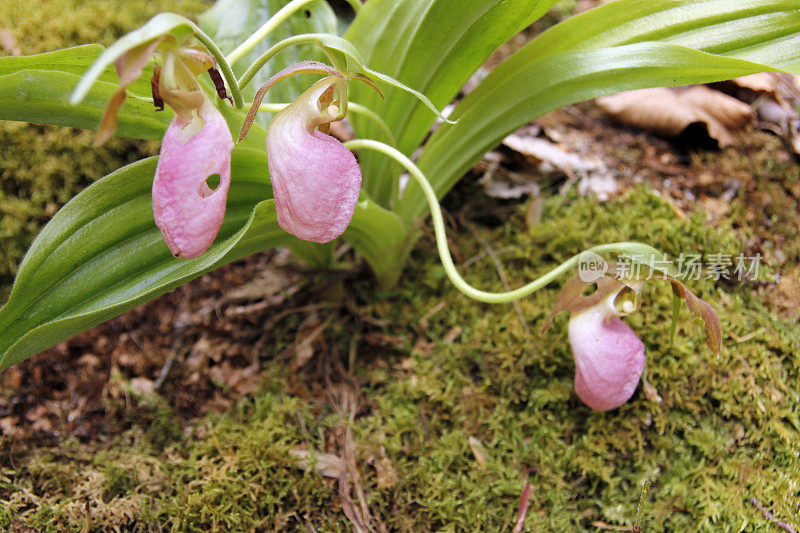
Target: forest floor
{"x":265,"y":396}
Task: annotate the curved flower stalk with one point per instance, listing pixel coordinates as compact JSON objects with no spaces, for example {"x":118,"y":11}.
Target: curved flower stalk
{"x":188,"y":212}
{"x":315,"y":179}
{"x":609,"y":356}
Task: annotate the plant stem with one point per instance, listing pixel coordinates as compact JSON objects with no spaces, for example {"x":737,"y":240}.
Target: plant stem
{"x":223,"y":64}
{"x":441,"y":237}
{"x":274,"y":21}
{"x":306,"y":38}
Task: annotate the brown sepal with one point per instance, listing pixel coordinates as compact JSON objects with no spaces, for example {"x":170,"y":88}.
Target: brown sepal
{"x":155,"y":81}
{"x":702,"y":309}
{"x":219,"y":84}
{"x":571,"y":297}
{"x":108,"y":124}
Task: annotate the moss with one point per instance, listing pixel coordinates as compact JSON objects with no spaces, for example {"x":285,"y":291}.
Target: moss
{"x":41,"y":167}
{"x":725,"y":431}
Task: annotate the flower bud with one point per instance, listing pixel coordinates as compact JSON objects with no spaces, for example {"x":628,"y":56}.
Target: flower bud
{"x":315,"y":179}
{"x":187,"y":211}
{"x":609,"y":357}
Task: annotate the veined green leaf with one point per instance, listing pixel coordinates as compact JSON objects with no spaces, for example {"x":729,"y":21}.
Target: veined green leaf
{"x":102,"y":254}
{"x":42,"y":96}
{"x":536,"y":79}
{"x":433,"y":46}
{"x":75,"y":60}
{"x":491,"y":112}
{"x":743,"y":28}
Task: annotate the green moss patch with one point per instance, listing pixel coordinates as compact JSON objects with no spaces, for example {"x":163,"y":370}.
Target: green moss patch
{"x":441,"y":408}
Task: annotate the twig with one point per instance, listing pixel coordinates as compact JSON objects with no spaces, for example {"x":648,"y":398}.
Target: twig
{"x":785,"y":525}
{"x":522,"y":510}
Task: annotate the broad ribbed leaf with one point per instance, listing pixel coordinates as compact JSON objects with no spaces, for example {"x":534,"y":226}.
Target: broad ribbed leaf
{"x":42,"y":96}
{"x":102,"y":254}
{"x":433,"y":46}
{"x":75,"y":60}
{"x":230,"y":22}
{"x":381,"y":237}
{"x":536,"y":79}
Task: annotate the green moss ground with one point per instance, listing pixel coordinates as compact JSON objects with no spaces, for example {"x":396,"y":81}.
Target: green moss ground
{"x":726,"y":430}
{"x":41,"y":167}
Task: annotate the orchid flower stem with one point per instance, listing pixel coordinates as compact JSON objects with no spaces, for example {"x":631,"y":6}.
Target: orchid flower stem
{"x":357,"y":109}
{"x":224,"y":66}
{"x":441,"y":237}
{"x":274,"y":21}
{"x":306,"y":38}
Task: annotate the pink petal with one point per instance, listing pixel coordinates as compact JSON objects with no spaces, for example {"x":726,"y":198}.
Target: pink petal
{"x":315,"y":179}
{"x":609,"y":357}
{"x":188,"y":213}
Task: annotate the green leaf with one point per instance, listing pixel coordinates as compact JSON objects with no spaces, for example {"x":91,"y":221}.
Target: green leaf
{"x":41,"y":96}
{"x":756,"y":30}
{"x":433,"y":46}
{"x":381,"y":237}
{"x":176,"y":26}
{"x":102,"y":254}
{"x":575,"y":62}
{"x":230,"y":22}
{"x":75,"y":60}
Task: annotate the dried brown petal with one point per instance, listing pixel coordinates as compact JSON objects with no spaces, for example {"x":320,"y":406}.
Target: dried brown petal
{"x":702,"y":309}
{"x":572,"y":299}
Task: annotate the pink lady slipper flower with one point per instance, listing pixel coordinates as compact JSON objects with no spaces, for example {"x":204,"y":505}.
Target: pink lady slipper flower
{"x":196,"y":145}
{"x":186,"y":210}
{"x":609,"y":356}
{"x":315,"y":179}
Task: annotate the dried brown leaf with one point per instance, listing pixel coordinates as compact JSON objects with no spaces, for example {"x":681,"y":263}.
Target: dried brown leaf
{"x":9,"y":43}
{"x":478,"y":450}
{"x":669,"y":112}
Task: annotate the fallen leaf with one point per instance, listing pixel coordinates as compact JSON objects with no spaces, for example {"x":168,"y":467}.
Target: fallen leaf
{"x":326,"y":464}
{"x":670,"y":112}
{"x":143,"y":386}
{"x":452,"y":335}
{"x":387,"y":475}
{"x":594,"y":176}
{"x":478,"y":450}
